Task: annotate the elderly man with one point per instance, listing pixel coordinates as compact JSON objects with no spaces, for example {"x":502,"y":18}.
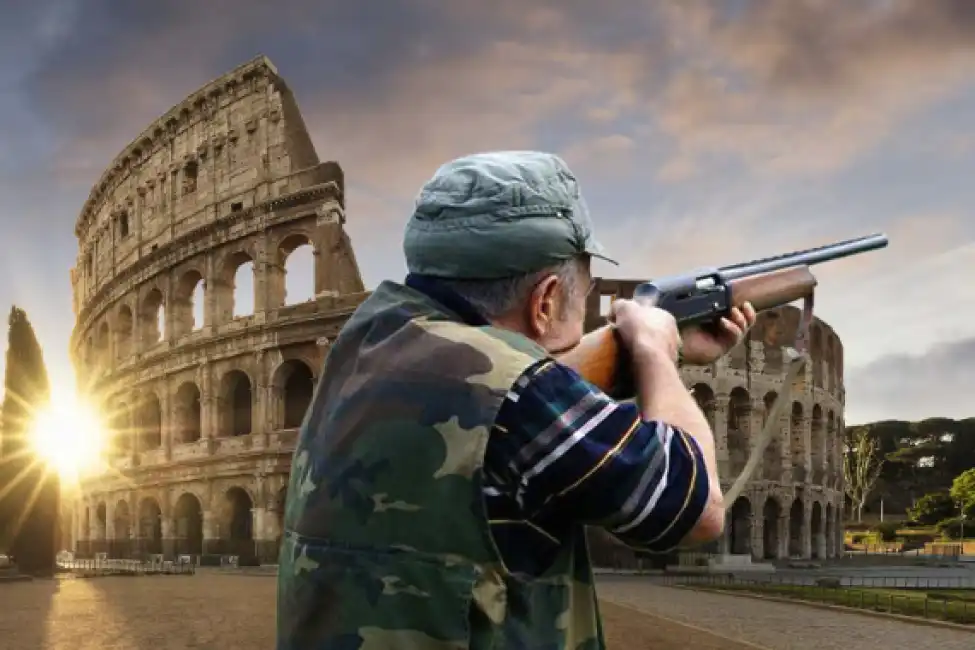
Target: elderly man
{"x":449,"y":464}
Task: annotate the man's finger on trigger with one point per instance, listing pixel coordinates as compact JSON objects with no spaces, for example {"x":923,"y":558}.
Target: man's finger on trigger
{"x":738,"y":318}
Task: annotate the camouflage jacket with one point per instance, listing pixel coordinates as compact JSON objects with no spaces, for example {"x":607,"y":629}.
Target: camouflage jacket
{"x":386,"y":542}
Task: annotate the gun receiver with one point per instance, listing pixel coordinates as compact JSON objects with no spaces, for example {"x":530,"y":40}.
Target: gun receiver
{"x":705,"y":296}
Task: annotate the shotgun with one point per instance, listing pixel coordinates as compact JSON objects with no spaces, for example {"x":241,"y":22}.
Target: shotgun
{"x":702,"y":297}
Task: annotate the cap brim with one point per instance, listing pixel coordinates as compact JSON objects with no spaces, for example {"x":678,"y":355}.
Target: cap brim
{"x":595,"y":249}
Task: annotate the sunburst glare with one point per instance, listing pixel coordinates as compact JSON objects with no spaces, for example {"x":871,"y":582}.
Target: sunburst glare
{"x":69,"y":435}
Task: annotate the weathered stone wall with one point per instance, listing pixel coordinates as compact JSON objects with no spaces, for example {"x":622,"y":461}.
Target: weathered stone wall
{"x":204,"y":411}
{"x":793,"y":505}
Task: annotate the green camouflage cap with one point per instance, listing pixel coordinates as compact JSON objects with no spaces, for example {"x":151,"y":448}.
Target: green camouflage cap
{"x":497,"y":215}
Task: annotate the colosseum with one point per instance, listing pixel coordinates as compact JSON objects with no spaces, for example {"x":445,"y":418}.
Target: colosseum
{"x":190,"y":334}
{"x":185,"y":330}
{"x":793,"y":505}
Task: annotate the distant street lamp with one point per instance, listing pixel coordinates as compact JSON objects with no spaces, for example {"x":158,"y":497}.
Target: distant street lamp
{"x":961,"y":519}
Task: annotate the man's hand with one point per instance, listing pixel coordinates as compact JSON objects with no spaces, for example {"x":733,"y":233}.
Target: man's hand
{"x":703,"y":346}
{"x":645,"y":329}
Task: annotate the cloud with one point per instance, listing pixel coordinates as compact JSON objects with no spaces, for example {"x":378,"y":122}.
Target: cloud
{"x":937,"y":383}
{"x":704,"y":132}
{"x":804,"y":87}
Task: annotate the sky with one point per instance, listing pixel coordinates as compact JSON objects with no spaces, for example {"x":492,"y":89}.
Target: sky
{"x":702,"y":132}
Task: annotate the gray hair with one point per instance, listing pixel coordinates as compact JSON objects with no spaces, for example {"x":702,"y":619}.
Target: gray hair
{"x":495,"y":298}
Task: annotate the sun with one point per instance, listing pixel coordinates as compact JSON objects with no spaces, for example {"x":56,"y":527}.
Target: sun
{"x":68,"y":435}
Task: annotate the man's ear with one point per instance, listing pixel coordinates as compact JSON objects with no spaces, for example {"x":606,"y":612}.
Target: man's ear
{"x":543,"y":305}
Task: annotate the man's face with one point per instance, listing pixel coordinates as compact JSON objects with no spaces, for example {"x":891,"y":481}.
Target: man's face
{"x":558,"y":309}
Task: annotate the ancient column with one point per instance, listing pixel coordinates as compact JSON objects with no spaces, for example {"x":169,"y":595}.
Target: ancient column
{"x":211,"y":539}
{"x":783,"y":528}
{"x":806,"y":537}
{"x":721,"y":433}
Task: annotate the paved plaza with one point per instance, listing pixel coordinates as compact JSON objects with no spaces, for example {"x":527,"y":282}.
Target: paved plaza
{"x":214,"y":611}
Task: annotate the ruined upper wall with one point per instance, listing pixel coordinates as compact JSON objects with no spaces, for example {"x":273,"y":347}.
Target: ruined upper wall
{"x":235,"y":143}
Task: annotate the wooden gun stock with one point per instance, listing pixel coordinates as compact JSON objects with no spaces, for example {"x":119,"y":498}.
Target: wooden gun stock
{"x":599,"y":356}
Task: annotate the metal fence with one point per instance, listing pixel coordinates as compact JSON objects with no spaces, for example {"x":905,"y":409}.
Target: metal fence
{"x":948,"y":598}
{"x":103,"y":566}
{"x":961,"y":581}
{"x":250,"y":552}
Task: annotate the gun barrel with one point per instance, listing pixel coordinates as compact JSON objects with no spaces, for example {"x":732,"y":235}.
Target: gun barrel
{"x":807,"y":257}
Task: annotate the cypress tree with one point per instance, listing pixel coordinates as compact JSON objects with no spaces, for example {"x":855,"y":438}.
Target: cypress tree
{"x":30,"y":490}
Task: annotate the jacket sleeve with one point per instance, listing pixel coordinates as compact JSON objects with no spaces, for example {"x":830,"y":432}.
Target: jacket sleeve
{"x":564,"y":451}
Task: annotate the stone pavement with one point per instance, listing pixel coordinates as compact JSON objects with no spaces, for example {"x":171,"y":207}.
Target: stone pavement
{"x":780,"y":626}
{"x":211,"y":611}
{"x":138,"y":613}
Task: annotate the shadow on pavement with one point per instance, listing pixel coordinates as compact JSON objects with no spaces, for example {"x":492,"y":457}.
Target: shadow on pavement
{"x":25,"y":612}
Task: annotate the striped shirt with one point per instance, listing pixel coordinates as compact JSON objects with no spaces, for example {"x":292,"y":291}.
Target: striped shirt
{"x":562,"y":454}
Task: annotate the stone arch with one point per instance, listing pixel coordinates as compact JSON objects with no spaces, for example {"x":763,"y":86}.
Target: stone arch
{"x":188,"y":516}
{"x":189,"y":414}
{"x":771,"y":515}
{"x":236,"y":296}
{"x":101,"y":521}
{"x":152,"y":316}
{"x":123,"y":529}
{"x":235,"y":415}
{"x":704,"y":396}
{"x":816,"y":531}
{"x":237,"y":521}
{"x":740,"y":530}
{"x":102,"y":344}
{"x":818,"y":458}
{"x":739,"y":428}
{"x":772,"y":458}
{"x":150,"y":422}
{"x":124,"y":324}
{"x":797,"y":442}
{"x":816,"y":354}
{"x":797,"y":528}
{"x":297,"y":261}
{"x":293,"y":385}
{"x":150,"y":525}
{"x":188,"y":301}
{"x":120,"y":426}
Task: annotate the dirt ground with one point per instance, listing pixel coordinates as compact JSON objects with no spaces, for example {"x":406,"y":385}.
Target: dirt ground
{"x":221,"y":612}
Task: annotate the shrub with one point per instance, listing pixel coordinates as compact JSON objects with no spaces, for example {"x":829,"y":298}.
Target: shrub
{"x":952,"y":528}
{"x":887,"y":531}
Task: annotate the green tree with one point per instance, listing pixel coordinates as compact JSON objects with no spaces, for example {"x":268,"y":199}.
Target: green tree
{"x":29,"y":509}
{"x":963,"y":491}
{"x":932,"y":508}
